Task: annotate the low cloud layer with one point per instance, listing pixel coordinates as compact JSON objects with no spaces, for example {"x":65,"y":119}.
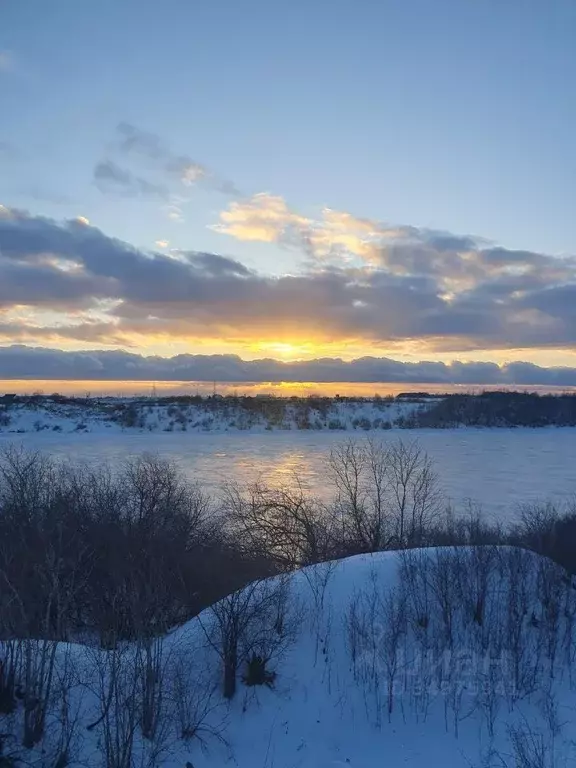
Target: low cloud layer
{"x":63,"y":281}
{"x":20,"y":362}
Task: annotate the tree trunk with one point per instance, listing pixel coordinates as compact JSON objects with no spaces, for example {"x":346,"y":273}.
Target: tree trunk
{"x":230,"y":667}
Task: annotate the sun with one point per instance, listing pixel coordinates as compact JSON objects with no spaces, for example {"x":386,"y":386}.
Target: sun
{"x":284,"y":350}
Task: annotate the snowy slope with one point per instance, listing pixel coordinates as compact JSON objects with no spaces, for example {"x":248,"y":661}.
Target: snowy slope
{"x":329,"y":707}
{"x":321,"y":715}
{"x":133,"y":415}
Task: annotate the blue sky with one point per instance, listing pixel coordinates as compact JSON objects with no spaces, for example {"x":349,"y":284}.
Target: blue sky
{"x":452,"y":115}
{"x":449,"y":114}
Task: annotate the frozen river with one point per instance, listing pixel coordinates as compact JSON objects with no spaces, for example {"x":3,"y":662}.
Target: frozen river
{"x":498,"y":469}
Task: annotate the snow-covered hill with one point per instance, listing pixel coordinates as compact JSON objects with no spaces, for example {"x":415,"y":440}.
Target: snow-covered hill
{"x":447,"y":657}
{"x":204,"y":415}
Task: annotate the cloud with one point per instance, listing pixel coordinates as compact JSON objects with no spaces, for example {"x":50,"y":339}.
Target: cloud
{"x":17,"y":361}
{"x":132,"y":143}
{"x":133,"y":140}
{"x":111,"y":178}
{"x":265,"y":218}
{"x":442,"y":292}
{"x":458,"y":265}
{"x":334,"y":235}
{"x":173,"y":212}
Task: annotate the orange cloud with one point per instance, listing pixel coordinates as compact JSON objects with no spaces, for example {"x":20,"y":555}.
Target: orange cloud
{"x":264,"y":218}
{"x":333,"y":235}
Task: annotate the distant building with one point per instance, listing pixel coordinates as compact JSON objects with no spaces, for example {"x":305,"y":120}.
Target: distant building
{"x":8,"y":399}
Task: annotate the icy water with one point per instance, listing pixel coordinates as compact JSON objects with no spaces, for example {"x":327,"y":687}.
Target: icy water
{"x":498,"y":469}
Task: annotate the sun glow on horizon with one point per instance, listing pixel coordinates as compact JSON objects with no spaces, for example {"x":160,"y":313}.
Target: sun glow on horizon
{"x":284,"y":350}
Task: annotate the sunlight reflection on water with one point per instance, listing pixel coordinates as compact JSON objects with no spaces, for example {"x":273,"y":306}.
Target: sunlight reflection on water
{"x":497,"y":468}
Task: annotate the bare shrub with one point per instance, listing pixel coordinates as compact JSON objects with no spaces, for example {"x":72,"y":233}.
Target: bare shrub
{"x":394,"y":627}
{"x":540,"y":746}
{"x":62,"y":745}
{"x":155,"y":518}
{"x":477,"y":593}
{"x":376,"y":624}
{"x":518,"y":571}
{"x":444,"y":574}
{"x":151,"y":671}
{"x":38,"y":657}
{"x":117,"y":686}
{"x":260,"y":620}
{"x":551,"y":588}
{"x":318,"y":578}
{"x":196,"y":706}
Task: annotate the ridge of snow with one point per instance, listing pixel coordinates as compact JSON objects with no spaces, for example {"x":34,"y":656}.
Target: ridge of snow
{"x":317,"y":715}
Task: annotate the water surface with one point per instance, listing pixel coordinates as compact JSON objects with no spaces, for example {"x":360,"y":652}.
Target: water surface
{"x":497,"y":468}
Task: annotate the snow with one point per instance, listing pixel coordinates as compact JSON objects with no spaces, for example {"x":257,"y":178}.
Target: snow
{"x":105,"y":416}
{"x":320,"y":715}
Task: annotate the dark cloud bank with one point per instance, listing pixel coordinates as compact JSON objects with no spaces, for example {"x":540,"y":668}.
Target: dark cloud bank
{"x":40,"y":363}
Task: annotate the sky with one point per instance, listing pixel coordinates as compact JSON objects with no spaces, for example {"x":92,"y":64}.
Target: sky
{"x":295,"y":181}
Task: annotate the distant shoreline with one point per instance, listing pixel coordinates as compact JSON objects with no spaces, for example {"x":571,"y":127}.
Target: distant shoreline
{"x":21,"y":414}
{"x":149,"y":388}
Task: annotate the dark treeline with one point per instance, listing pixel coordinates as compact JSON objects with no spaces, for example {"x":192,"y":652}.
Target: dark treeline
{"x":111,"y":551}
{"x":499,"y":409}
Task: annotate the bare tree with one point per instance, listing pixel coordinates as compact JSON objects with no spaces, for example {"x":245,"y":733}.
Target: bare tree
{"x":416,"y":499}
{"x":282,"y":523}
{"x":353,"y":467}
{"x":387,"y":494}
